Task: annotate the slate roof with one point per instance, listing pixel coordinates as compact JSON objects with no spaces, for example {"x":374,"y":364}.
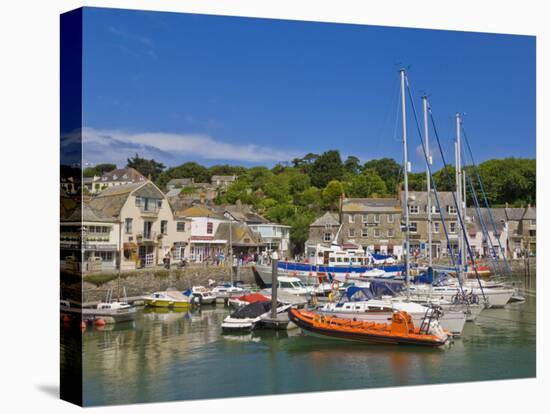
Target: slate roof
{"x":497,"y":214}
{"x":241,"y":235}
{"x":358,"y":205}
{"x":530,"y":213}
{"x":200,"y":211}
{"x":515,"y":213}
{"x":327,"y":219}
{"x":111,"y":200}
{"x":123,"y":174}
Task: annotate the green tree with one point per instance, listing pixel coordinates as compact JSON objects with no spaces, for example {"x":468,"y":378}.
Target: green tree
{"x":367,"y":184}
{"x":149,"y":168}
{"x":332,"y":193}
{"x":191,"y":169}
{"x":99,"y":170}
{"x":328,"y":166}
{"x":389,"y":170}
{"x":352,"y":165}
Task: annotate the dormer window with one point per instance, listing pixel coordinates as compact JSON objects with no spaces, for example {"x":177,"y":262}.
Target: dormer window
{"x":125,"y":176}
{"x":114,"y":177}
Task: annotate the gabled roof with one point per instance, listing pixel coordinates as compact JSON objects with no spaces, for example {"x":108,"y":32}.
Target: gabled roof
{"x":124,"y":174}
{"x":530,"y":213}
{"x":241,"y":234}
{"x":327,"y":219}
{"x":111,"y":200}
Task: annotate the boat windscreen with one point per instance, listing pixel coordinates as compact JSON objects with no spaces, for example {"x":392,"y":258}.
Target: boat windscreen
{"x":383,"y":288}
{"x":355,"y":293}
{"x":252,"y":310}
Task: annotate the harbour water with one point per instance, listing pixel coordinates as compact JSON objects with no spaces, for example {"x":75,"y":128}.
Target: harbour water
{"x":164,"y":356}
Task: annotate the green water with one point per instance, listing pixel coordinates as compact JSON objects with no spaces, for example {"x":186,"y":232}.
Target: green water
{"x":180,"y":356}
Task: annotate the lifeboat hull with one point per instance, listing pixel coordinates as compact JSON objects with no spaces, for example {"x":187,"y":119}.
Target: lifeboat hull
{"x":326,"y":330}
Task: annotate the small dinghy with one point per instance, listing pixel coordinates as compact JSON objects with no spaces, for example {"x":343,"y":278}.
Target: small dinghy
{"x":400,"y":330}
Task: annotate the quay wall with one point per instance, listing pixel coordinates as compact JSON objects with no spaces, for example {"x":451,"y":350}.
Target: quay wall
{"x":144,"y":281}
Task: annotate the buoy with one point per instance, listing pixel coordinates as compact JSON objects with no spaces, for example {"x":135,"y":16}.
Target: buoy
{"x":99,"y":322}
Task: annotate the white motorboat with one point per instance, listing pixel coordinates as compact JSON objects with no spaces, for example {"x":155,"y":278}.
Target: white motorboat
{"x":381,"y":311}
{"x":227,"y":290}
{"x":494,"y":297}
{"x":203,"y":295}
{"x":250,"y":316}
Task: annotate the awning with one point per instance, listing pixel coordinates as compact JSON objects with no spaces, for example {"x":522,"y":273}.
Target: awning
{"x":130,"y":246}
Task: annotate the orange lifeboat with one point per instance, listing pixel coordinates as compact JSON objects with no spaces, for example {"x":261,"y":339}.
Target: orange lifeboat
{"x":401,"y":330}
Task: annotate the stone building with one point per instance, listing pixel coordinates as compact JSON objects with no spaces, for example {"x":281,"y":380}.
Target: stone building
{"x":222,"y":182}
{"x":323,"y":231}
{"x":522,"y":231}
{"x":372,"y":223}
{"x":418,"y":217}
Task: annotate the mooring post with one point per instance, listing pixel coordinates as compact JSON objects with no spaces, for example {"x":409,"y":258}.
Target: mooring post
{"x":274,"y":283}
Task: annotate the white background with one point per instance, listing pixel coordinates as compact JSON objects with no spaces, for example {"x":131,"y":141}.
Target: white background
{"x":29,"y":128}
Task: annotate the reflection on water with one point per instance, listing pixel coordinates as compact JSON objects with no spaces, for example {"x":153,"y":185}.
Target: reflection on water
{"x":166,"y":355}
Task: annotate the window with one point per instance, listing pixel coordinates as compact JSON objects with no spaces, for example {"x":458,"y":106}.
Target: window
{"x":209,"y":228}
{"x":364,"y":233}
{"x":390,"y":218}
{"x":365,"y":218}
{"x":128,"y":225}
{"x":435,"y":228}
{"x":376,"y":232}
{"x":138,"y":201}
{"x":452,"y":227}
{"x":327,"y":237}
{"x":413,"y":209}
{"x":164,"y":226}
{"x":351,"y":232}
{"x":413,"y":227}
{"x":180,"y":226}
{"x":147,"y":226}
{"x":351,"y":218}
{"x":377,"y":218}
{"x":390,"y":233}
{"x":451,"y":210}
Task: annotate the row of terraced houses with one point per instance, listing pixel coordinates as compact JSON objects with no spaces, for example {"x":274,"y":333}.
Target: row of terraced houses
{"x":376,"y":224}
{"x":126,"y":220}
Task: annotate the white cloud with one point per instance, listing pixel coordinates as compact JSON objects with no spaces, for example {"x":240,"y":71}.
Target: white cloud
{"x":117,"y":145}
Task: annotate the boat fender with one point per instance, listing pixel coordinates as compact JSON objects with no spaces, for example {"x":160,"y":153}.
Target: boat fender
{"x":99,"y":322}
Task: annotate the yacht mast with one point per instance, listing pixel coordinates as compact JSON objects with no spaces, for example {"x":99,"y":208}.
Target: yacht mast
{"x":406,"y":182}
{"x":428,"y":178}
{"x":458,"y":167}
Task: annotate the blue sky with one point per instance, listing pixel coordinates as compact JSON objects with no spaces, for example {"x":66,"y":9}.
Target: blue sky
{"x":212,"y":89}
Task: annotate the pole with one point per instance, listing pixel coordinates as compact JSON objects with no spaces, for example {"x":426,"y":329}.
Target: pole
{"x":120,"y":254}
{"x":230,"y":252}
{"x":406,"y":182}
{"x":458,"y":168}
{"x":274,"y":283}
{"x":428,"y":178}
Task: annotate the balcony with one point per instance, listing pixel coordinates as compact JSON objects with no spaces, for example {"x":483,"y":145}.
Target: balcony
{"x":150,"y":211}
{"x":151,"y":236}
